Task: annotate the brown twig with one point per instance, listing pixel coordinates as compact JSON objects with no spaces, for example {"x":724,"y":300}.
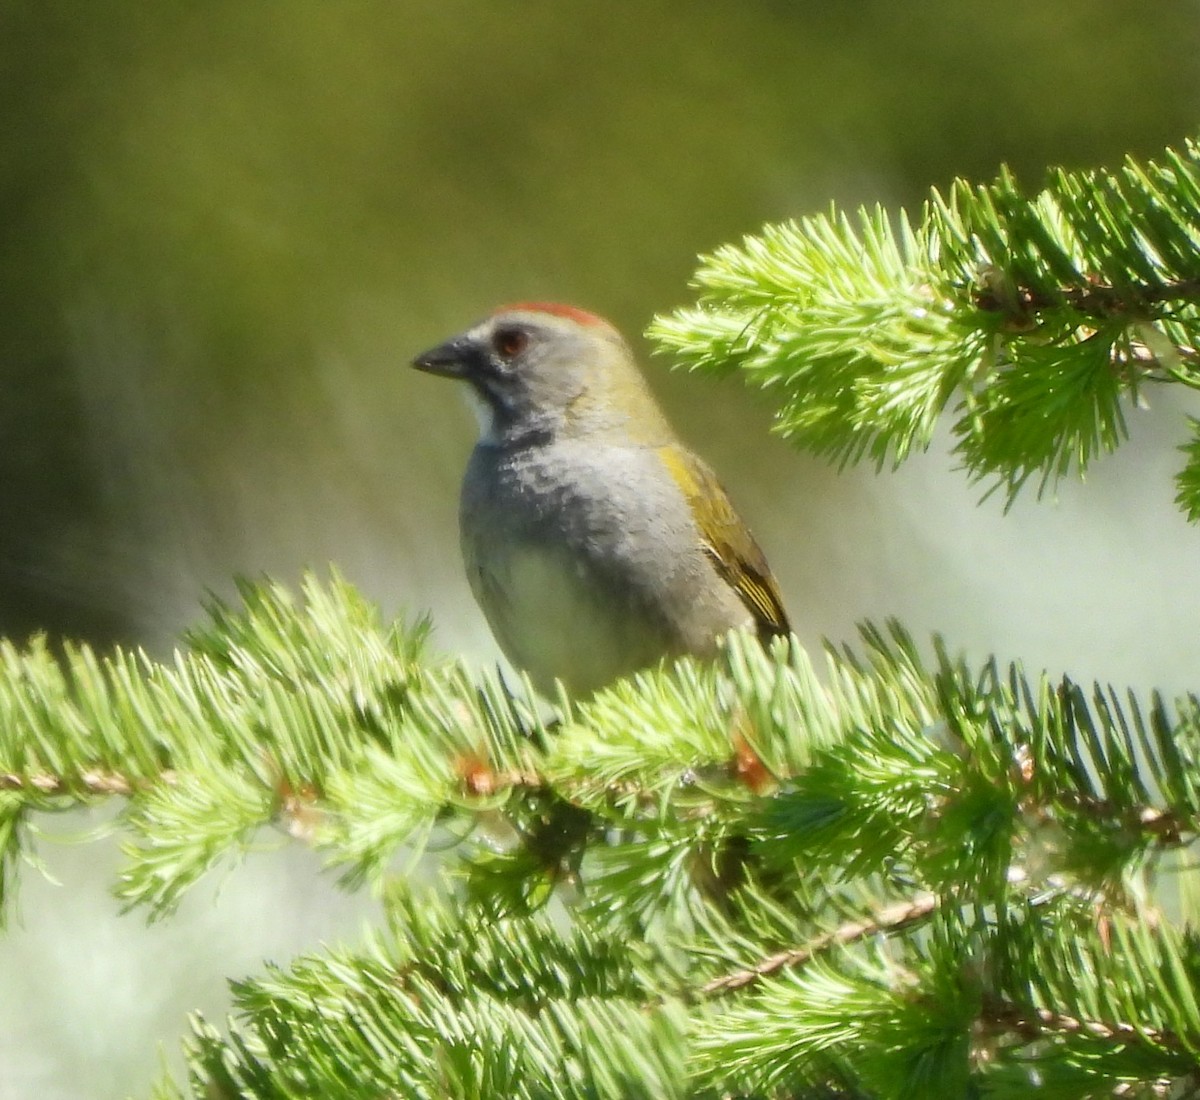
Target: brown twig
{"x":1036,"y":1023}
{"x":479,"y":778}
{"x":1167,"y":828}
{"x":86,"y":782}
{"x":1095,"y":300}
{"x":890,"y":919}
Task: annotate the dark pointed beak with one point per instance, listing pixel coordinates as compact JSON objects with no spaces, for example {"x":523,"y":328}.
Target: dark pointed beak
{"x":451,"y":359}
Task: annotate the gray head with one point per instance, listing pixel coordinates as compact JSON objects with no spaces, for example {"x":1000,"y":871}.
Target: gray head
{"x":539,"y":370}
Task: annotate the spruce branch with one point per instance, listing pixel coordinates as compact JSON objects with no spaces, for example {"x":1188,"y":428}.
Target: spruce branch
{"x":1035,"y":319}
{"x":869,"y":871}
{"x":451,"y":1003}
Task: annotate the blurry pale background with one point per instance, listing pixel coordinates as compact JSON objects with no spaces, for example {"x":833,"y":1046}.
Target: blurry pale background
{"x":225,"y":228}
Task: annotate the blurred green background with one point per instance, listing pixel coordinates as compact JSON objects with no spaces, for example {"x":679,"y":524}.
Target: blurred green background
{"x":225,"y":227}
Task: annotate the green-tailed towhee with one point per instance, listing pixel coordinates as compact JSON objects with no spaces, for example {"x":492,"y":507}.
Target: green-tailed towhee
{"x":595,"y":542}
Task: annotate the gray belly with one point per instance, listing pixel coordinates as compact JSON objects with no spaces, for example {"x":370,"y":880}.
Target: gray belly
{"x":555,"y":618}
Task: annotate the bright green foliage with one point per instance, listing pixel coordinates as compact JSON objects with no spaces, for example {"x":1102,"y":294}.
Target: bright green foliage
{"x":450,"y":1005}
{"x":281,"y":712}
{"x":757,"y":878}
{"x":1041,"y":318}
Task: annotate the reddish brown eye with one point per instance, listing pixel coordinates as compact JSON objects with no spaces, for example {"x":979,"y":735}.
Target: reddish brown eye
{"x":510,"y":342}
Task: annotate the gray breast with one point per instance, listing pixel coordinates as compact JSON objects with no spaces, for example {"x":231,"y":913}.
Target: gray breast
{"x":590,"y":576}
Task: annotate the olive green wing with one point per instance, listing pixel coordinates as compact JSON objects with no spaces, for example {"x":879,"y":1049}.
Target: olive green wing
{"x":727,"y":540}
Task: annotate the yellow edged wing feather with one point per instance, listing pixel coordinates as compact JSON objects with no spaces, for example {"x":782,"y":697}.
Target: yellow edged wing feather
{"x":727,"y":540}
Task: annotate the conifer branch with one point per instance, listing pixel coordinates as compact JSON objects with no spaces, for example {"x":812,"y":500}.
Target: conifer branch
{"x":724,"y":825}
{"x":1010,"y":310}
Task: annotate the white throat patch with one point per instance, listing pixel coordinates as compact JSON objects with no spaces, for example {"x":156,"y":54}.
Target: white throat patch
{"x":484,"y":414}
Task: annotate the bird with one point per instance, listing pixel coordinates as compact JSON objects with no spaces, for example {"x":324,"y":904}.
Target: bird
{"x":595,"y":543}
